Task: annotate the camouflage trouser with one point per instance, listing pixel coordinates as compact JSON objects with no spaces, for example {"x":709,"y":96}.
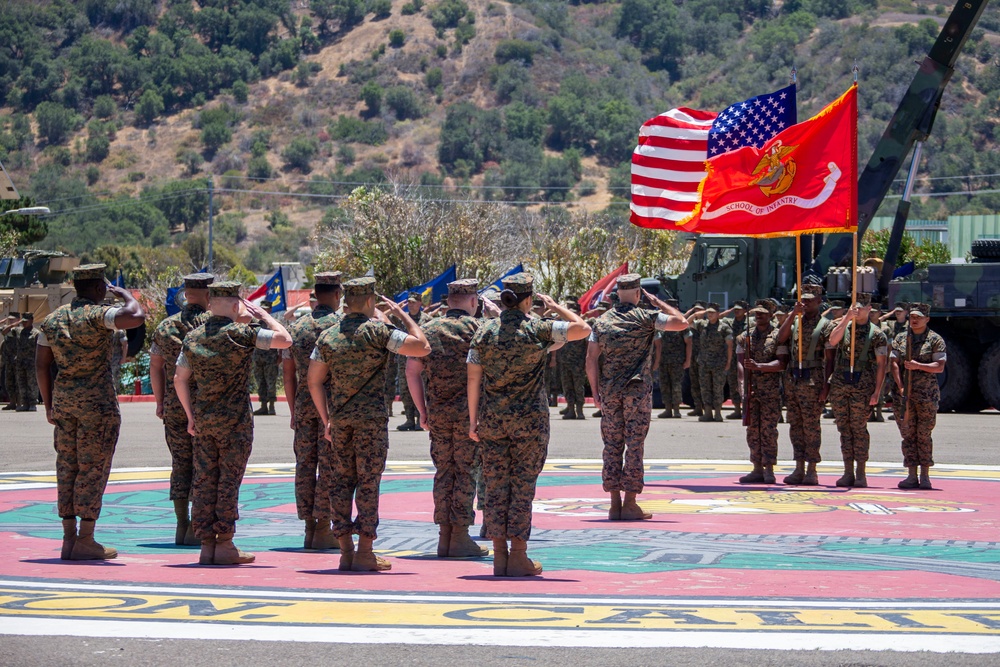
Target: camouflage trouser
{"x":477,"y":473}
{"x":312,"y":470}
{"x":851,"y":410}
{"x":181,"y":447}
{"x":219,"y":464}
{"x":409,"y":407}
{"x":573,"y":384}
{"x":10,"y":382}
{"x":624,"y":425}
{"x":27,"y":386}
{"x":671,"y":377}
{"x":734,"y":387}
{"x":762,"y":413}
{"x":267,"y":381}
{"x":916,"y":428}
{"x":713,"y":387}
{"x":454,"y":455}
{"x":357,"y":458}
{"x":84,"y":447}
{"x":804,"y":413}
{"x":694,"y":373}
{"x":514,"y":450}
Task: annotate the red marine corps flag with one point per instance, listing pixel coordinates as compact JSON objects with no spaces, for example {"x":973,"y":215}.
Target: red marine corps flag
{"x":803,"y":180}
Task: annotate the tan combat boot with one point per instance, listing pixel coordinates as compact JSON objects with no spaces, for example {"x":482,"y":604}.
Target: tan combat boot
{"x":718,"y":414}
{"x":631,"y":510}
{"x":184,"y":535}
{"x":226,"y":553}
{"x":911,"y":479}
{"x":323,"y":538}
{"x":462,"y":546}
{"x":365,"y":559}
{"x":69,"y":538}
{"x":444,"y":540}
{"x":500,"y":557}
{"x":85,"y":548}
{"x":925,"y":478}
{"x":307,"y":543}
{"x":769,"y":474}
{"x":346,"y":552}
{"x":847,"y":480}
{"x":207,"y":555}
{"x":518,"y":563}
{"x":811,"y":478}
{"x":860,"y":480}
{"x":756,"y":476}
{"x":615,"y":512}
{"x":798,"y":475}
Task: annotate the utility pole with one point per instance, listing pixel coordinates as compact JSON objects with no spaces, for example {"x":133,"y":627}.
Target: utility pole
{"x":210,"y":216}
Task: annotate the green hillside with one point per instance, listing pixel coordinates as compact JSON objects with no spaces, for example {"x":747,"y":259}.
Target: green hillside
{"x":115,"y":113}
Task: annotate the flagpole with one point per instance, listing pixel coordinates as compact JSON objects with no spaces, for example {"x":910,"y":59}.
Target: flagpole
{"x":798,"y":291}
{"x":854,"y":290}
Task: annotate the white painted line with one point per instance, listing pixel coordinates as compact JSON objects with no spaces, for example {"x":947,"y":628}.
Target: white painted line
{"x":487,"y":599}
{"x":502,"y":637}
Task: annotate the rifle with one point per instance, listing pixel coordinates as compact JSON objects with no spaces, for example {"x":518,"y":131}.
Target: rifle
{"x":747,"y":379}
{"x":909,"y":375}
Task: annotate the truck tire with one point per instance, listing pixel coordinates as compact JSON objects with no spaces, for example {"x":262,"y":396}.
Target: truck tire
{"x":989,"y":375}
{"x":956,"y":381}
{"x":986,"y":249}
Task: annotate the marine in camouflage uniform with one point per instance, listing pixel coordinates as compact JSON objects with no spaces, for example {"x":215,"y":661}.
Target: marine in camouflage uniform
{"x":82,"y":404}
{"x":353,"y":355}
{"x":894,"y":323}
{"x":414,"y":305}
{"x":738,"y":324}
{"x":27,"y":384}
{"x":715,"y":356}
{"x":313,"y":472}
{"x":852,"y":396}
{"x":265,"y":372}
{"x":439,"y":387}
{"x":675,"y":353}
{"x":761,"y":360}
{"x":167,"y":341}
{"x":572,"y":361}
{"x":806,"y":389}
{"x":694,"y":370}
{"x":9,"y":358}
{"x":916,"y":390}
{"x":507,"y":360}
{"x":218,"y":357}
{"x":624,"y":390}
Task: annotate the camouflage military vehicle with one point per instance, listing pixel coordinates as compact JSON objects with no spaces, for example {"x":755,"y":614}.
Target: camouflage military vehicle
{"x":35,"y":282}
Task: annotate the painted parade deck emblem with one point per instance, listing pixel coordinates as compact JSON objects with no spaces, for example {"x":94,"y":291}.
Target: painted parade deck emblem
{"x":719,"y":565}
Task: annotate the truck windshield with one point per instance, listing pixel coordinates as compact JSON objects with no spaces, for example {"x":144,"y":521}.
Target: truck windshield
{"x":718,"y":257}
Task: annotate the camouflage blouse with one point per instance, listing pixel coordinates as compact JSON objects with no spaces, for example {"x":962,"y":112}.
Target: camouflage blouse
{"x":357,"y":350}
{"x":513,"y":351}
{"x":762,"y":347}
{"x":219,"y":354}
{"x":926,"y":348}
{"x":445,"y":371}
{"x":713,"y":340}
{"x":865,"y":361}
{"x":305,"y":331}
{"x":673,"y":346}
{"x":625,"y":335}
{"x":81,"y":334}
{"x":167,"y":342}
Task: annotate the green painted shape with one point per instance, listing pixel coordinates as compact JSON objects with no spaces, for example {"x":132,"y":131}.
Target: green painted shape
{"x":962,"y":554}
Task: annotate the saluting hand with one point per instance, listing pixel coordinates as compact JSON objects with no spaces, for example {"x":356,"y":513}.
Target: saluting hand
{"x":391,"y":305}
{"x":255,"y":310}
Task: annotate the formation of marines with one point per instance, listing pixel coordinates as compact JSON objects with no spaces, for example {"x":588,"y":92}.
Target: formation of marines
{"x":477,"y":377}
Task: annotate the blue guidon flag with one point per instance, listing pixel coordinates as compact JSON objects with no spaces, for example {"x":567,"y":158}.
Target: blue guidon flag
{"x":668,"y":165}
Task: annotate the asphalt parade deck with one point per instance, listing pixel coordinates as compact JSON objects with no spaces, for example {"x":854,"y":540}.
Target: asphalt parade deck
{"x":719,"y":565}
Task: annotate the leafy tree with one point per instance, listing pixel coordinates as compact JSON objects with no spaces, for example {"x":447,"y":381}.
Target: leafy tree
{"x":382,"y":9}
{"x":371,"y":95}
{"x":396,"y":38}
{"x":524,"y":122}
{"x":184,"y":203}
{"x":149,"y":106}
{"x":241,"y":91}
{"x":404,"y":102}
{"x":515,"y":49}
{"x":447,"y":13}
{"x":55,"y":122}
{"x":21,"y":229}
{"x":252,"y":30}
{"x":433,"y":78}
{"x":104,"y":107}
{"x":259,"y":167}
{"x":98,"y":146}
{"x":299,"y":154}
{"x":214,"y":136}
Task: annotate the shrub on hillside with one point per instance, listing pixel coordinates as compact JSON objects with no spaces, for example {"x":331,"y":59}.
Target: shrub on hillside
{"x":299,"y":154}
{"x":55,"y":122}
{"x":403,"y":102}
{"x":149,"y":106}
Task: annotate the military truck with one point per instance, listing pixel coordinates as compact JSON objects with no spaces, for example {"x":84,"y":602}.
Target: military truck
{"x":35,"y":282}
{"x":965,"y":299}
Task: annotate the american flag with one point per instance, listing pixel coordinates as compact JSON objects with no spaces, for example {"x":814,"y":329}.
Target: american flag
{"x":668,"y":165}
